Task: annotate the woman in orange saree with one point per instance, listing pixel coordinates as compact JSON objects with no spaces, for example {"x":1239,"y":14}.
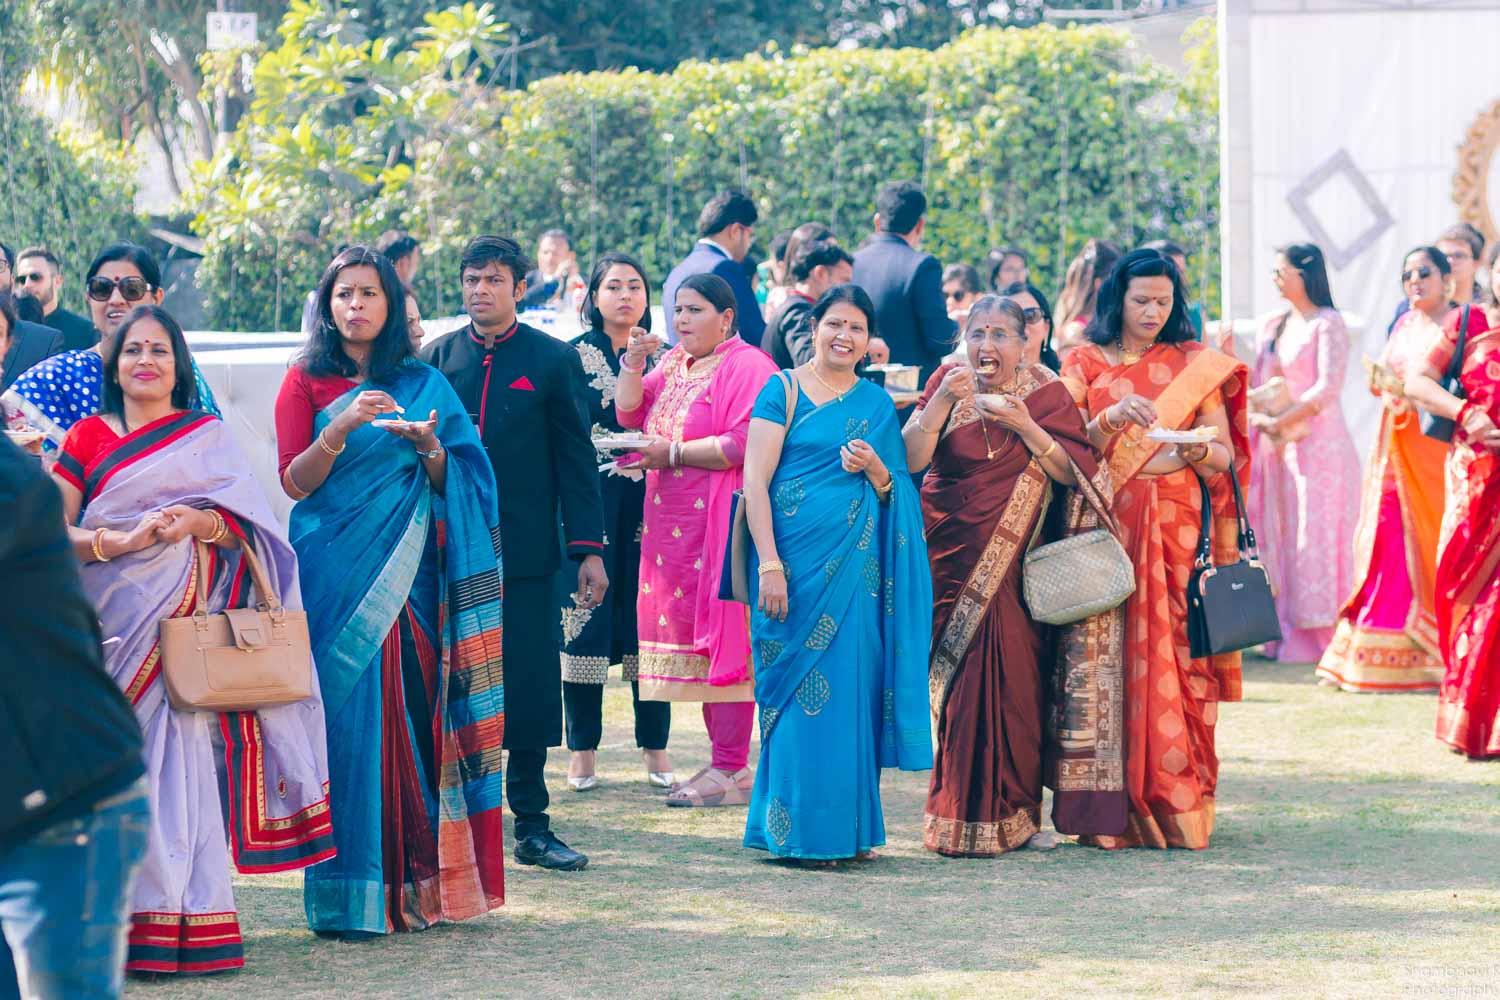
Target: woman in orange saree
{"x":1468,"y":566}
{"x":1143,"y":369}
{"x":1386,"y":636}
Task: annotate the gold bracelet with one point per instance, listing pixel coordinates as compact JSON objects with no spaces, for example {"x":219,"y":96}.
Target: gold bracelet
{"x":774,"y":566}
{"x":328,"y":450}
{"x":221,"y":528}
{"x":301,"y":493}
{"x":1107,"y":426}
{"x":98,"y":545}
{"x":1050,"y":449}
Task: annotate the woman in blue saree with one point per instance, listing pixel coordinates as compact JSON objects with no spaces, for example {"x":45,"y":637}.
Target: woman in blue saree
{"x":840,"y":595}
{"x":398,"y":536}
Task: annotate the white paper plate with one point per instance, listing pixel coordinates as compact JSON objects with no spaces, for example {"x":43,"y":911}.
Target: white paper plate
{"x":1195,"y":436}
{"x":622,"y":442}
{"x":25,"y":437}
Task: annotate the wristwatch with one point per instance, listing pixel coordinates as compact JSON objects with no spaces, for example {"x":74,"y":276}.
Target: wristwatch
{"x":434,"y":453}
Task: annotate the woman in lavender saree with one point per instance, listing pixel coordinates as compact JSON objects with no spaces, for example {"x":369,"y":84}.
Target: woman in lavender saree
{"x":141,"y":481}
{"x":398,"y":536}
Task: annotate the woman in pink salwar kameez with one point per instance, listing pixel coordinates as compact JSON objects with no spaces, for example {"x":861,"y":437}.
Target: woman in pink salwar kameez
{"x":695,"y":404}
{"x":1304,"y":497}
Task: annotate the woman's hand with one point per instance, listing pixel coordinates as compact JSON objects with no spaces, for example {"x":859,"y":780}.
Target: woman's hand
{"x":641,"y":346}
{"x":1133,"y":409}
{"x":958,"y":384}
{"x":421,"y":433}
{"x":1008,"y":412}
{"x":656,"y":455}
{"x":878,"y":351}
{"x":146,"y":533}
{"x":366,"y":407}
{"x":857,"y":456}
{"x":180,"y":521}
{"x":1480,"y":429}
{"x":773,"y":599}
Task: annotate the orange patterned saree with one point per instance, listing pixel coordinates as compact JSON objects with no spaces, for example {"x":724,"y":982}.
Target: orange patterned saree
{"x":1171,"y":699}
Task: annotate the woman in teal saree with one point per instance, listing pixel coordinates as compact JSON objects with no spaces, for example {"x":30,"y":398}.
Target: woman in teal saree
{"x":841,"y":598}
{"x":397,"y":535}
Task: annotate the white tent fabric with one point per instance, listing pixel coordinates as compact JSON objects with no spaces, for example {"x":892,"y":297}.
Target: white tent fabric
{"x":1341,"y":122}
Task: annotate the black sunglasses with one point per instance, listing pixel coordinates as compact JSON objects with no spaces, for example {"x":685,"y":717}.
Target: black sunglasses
{"x":1417,"y":274}
{"x":1032,"y":315}
{"x":26,"y":279}
{"x":132,"y":289}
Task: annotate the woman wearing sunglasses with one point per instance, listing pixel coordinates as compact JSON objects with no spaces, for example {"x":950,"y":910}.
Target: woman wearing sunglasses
{"x":1038,"y":315}
{"x":1386,"y":638}
{"x":62,"y":390}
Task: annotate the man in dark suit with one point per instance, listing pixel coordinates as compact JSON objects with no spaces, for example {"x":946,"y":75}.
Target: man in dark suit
{"x":38,"y":276}
{"x":905,"y":284}
{"x":726,"y":229}
{"x":521,"y":388}
{"x":29,"y":343}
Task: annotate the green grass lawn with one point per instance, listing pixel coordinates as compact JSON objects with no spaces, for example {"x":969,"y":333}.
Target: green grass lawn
{"x":1354,"y":857}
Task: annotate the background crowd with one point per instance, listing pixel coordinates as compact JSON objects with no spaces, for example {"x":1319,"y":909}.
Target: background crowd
{"x":748,"y":510}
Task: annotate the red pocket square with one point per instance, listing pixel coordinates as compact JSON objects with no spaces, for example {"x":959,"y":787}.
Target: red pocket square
{"x":523,"y":383}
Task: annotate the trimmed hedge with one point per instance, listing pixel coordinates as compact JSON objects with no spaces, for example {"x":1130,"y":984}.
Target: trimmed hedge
{"x":1039,"y":137}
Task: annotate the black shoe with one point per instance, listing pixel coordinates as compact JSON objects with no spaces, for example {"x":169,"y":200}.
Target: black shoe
{"x":546,"y":850}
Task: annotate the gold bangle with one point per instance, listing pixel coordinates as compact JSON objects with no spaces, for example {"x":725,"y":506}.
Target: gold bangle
{"x":301,"y":493}
{"x":774,"y":566}
{"x":98,"y":545}
{"x":1050,"y":449}
{"x":1107,"y":426}
{"x":329,"y":450}
{"x":221,"y":528}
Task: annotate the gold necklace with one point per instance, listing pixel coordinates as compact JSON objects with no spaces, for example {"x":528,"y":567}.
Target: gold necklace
{"x":1130,"y":357}
{"x":989,"y":449}
{"x":812,"y":367}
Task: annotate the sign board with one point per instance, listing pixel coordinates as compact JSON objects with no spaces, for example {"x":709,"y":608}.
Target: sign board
{"x":230,"y":30}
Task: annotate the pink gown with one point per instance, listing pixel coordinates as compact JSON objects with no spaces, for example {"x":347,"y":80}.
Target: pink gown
{"x":1304,"y":496}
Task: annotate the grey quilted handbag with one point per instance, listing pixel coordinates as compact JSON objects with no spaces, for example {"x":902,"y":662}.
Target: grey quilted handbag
{"x":1077,"y":577}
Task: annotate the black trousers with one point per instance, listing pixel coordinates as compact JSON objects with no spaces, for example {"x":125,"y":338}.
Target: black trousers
{"x":526,"y":790}
{"x":583,"y":711}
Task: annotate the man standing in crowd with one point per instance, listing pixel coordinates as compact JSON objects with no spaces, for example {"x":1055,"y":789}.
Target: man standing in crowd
{"x":819,"y":266}
{"x":74,"y":814}
{"x":1008,"y":266}
{"x":403,"y":251}
{"x":1463,"y":245}
{"x":30,"y":343}
{"x":39,"y":275}
{"x":520,"y":387}
{"x":726,"y":229}
{"x":904,"y":283}
{"x":555,"y":273}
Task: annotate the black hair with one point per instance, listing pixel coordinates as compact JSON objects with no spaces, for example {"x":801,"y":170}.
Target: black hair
{"x":1109,"y":321}
{"x":751,"y":266}
{"x":1308,"y":259}
{"x":397,"y":244}
{"x":132,"y":252}
{"x":502,"y":250}
{"x":589,"y":313}
{"x":901,"y":205}
{"x":966,"y":273}
{"x":9,"y":255}
{"x":718,"y":293}
{"x":184,"y":388}
{"x":1048,"y":355}
{"x":993,"y":303}
{"x":44,"y":253}
{"x":724,"y":210}
{"x":1167,"y":247}
{"x":778,"y":246}
{"x":848,"y":292}
{"x":1463,"y":232}
{"x":1086,"y":272}
{"x":996,"y":259}
{"x":29,"y":309}
{"x":1438,"y":258}
{"x":556,"y":234}
{"x":8,"y":310}
{"x":324,"y":354}
{"x":817,"y":253}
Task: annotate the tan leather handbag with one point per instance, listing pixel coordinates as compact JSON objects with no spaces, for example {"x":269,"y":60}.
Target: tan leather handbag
{"x":734,"y":578}
{"x":238,"y":660}
{"x":1076,"y":578}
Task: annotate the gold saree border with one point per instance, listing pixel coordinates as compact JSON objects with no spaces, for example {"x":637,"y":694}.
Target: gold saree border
{"x":957,"y":838}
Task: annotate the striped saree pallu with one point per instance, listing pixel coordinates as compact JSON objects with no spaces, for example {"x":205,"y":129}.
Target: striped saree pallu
{"x":403,"y":589}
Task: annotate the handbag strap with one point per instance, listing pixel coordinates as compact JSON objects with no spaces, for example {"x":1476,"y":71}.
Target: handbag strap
{"x":1456,"y":366}
{"x":791,"y":398}
{"x":269,"y":601}
{"x":1246,"y":539}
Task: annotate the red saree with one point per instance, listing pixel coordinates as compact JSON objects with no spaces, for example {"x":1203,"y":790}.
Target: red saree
{"x":983,"y":501}
{"x":1468,"y":567}
{"x":1171,"y":699}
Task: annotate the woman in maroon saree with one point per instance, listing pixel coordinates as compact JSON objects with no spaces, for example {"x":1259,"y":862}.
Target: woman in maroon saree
{"x":999,"y":435}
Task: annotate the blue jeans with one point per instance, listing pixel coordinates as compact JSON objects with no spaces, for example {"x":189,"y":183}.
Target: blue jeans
{"x":65,"y":902}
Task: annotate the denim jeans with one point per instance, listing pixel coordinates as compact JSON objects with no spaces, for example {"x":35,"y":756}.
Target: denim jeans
{"x":65,"y":902}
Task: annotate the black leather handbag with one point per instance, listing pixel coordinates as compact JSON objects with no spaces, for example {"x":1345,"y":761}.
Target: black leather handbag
{"x":1441,"y":428}
{"x":1230,"y":607}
